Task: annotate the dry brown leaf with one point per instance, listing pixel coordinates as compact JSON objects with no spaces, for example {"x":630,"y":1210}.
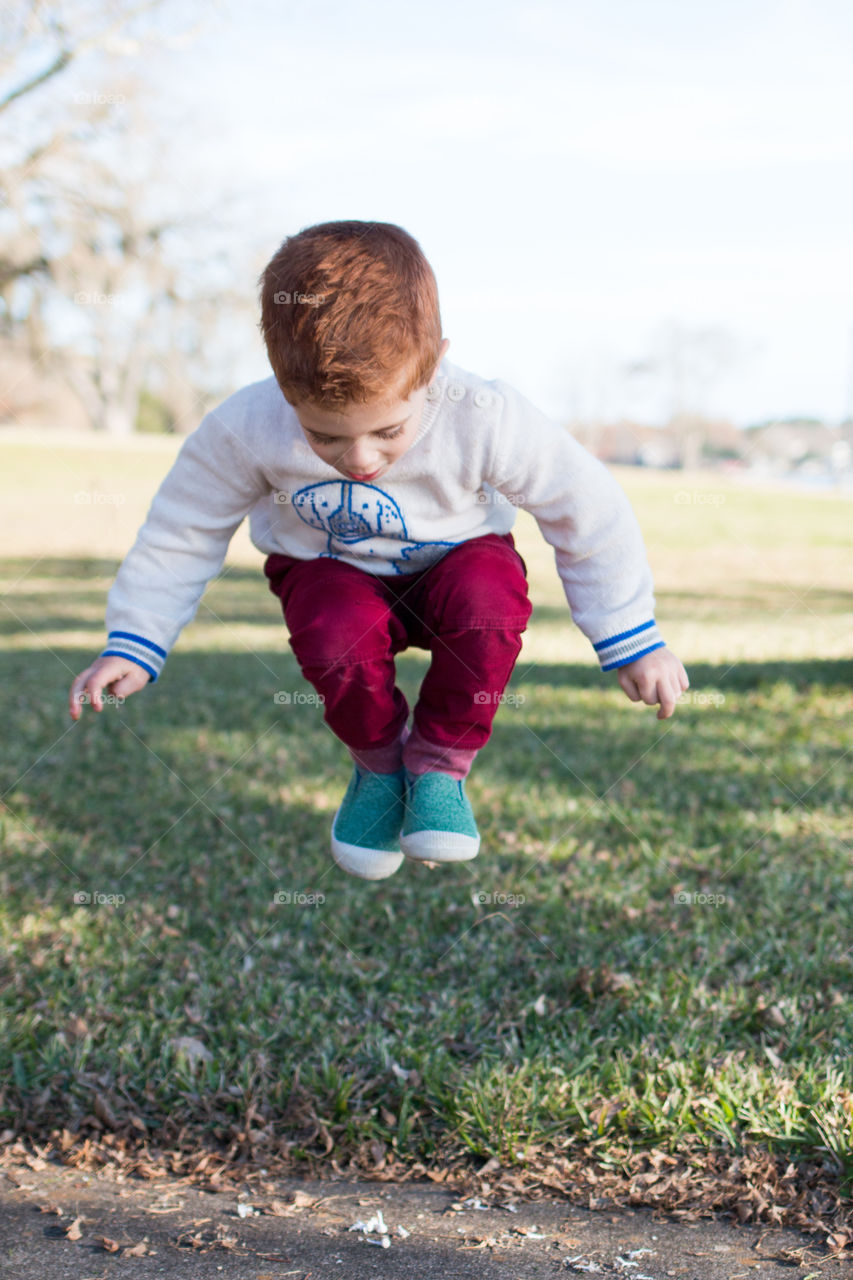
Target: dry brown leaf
{"x":277,"y":1209}
{"x":111,"y":1246}
{"x":103,"y":1110}
{"x":73,"y":1232}
{"x":136,"y":1250}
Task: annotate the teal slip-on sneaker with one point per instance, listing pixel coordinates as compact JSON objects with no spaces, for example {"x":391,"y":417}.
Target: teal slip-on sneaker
{"x":439,"y":825}
{"x":366,"y":829}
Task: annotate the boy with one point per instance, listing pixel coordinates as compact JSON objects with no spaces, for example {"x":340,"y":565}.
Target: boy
{"x":381,"y":482}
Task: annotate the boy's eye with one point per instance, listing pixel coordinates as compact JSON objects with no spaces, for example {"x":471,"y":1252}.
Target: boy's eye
{"x":380,"y":435}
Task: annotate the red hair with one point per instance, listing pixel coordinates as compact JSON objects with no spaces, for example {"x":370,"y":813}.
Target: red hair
{"x":349,"y":314}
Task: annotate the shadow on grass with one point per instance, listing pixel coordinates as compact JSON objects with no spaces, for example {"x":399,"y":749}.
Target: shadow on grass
{"x":559,"y":951}
{"x":229,"y":751}
{"x":208,"y":792}
{"x":79,"y":590}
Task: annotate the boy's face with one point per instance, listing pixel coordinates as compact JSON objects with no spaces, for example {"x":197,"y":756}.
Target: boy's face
{"x":361,"y":441}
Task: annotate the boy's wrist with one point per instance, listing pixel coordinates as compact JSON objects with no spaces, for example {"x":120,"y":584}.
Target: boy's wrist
{"x":139,"y":649}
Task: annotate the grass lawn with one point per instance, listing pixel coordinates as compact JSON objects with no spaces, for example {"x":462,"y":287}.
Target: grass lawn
{"x":651,"y":953}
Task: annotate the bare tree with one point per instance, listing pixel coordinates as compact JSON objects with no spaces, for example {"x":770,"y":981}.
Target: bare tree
{"x":63,"y":32}
{"x":94,"y":255}
{"x":38,"y":43}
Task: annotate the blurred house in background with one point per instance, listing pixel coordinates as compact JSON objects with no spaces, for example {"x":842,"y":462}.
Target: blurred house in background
{"x":804,"y":449}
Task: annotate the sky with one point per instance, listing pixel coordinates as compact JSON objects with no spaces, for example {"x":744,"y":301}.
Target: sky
{"x":597,"y":183}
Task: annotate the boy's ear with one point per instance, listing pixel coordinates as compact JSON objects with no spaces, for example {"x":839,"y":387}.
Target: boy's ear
{"x":442,"y":352}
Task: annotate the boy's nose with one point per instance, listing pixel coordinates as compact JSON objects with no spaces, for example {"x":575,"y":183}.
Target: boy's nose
{"x":362,"y":461}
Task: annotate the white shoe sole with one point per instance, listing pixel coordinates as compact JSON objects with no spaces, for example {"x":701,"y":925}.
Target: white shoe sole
{"x":439,"y":846}
{"x":368,"y":864}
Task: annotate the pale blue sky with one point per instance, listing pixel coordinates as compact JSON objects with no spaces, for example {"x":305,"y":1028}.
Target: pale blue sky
{"x":580,"y":174}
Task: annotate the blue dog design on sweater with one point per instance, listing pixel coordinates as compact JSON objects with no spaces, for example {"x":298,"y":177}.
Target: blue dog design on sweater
{"x":354,"y":513}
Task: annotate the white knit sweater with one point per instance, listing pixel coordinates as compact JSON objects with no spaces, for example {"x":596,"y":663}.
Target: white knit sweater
{"x":481,"y":451}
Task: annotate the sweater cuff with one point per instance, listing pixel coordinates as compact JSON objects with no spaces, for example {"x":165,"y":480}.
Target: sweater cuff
{"x":125,"y":644}
{"x":627,"y":646}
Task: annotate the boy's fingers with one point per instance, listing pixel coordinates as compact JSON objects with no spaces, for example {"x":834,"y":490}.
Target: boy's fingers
{"x":674,"y":688}
{"x":75,"y":697}
{"x":662,"y":689}
{"x":87,"y":689}
{"x":94,"y":686}
{"x":667,"y":698}
{"x":649,"y":686}
{"x":119,"y":677}
{"x":133,"y":680}
{"x":629,"y":685}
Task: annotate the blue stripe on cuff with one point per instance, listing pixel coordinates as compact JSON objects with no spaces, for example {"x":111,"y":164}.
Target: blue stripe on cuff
{"x":130,"y":635}
{"x":623,"y":662}
{"x":623,"y":635}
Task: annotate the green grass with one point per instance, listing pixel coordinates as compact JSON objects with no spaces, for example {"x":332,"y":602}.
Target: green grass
{"x":582,"y":1004}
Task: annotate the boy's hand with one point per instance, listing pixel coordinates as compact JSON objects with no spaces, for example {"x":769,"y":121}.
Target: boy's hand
{"x":119,"y":676}
{"x":656,"y":677}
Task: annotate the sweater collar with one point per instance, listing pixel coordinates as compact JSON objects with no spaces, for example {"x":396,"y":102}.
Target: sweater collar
{"x":432,"y":403}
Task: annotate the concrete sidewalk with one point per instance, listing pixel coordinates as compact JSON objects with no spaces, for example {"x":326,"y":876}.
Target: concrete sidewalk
{"x":60,"y":1224}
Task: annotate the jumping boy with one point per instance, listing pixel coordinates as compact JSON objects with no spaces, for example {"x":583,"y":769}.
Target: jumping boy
{"x":381,"y":482}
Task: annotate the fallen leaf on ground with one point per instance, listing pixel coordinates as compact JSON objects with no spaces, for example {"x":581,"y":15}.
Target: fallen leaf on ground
{"x":136,"y":1250}
{"x":111,"y":1246}
{"x":480,"y":1242}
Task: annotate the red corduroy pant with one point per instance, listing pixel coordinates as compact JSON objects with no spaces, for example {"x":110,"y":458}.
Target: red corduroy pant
{"x":346,"y":626}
